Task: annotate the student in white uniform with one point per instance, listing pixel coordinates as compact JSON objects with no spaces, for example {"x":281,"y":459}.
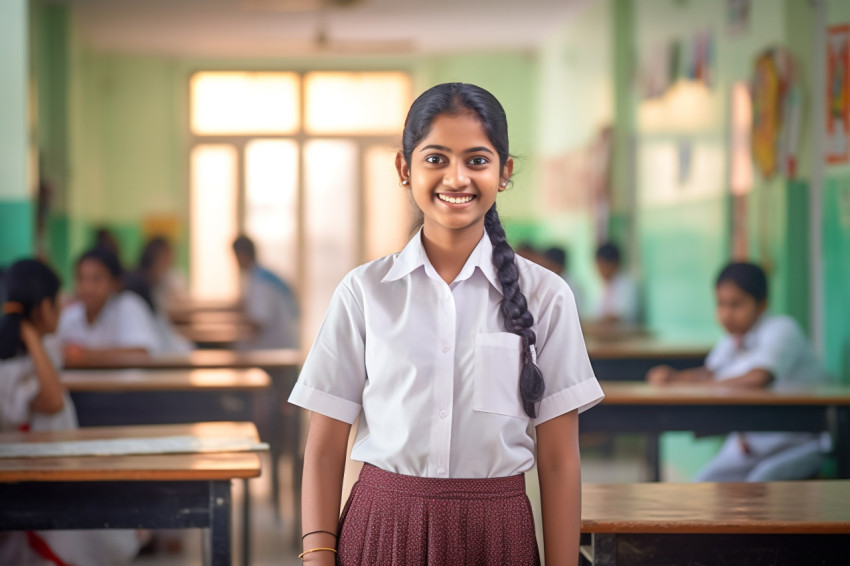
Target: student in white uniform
{"x":105,"y":320}
{"x":461,"y":361}
{"x":268,"y":301}
{"x":759,"y":350}
{"x":620,"y":301}
{"x":33,"y":398}
{"x":149,"y":281}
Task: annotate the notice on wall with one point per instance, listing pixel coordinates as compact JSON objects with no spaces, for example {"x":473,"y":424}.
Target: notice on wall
{"x":838,"y":94}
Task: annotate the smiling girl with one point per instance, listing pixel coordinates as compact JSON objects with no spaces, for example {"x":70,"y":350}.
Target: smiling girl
{"x":461,"y":361}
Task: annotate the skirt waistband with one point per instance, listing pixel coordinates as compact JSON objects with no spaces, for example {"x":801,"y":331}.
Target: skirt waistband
{"x":510,"y":486}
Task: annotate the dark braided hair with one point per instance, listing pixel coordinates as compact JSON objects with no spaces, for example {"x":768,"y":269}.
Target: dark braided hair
{"x":462,"y":98}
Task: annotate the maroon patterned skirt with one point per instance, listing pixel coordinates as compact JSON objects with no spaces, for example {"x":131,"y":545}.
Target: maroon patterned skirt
{"x":397,"y":520}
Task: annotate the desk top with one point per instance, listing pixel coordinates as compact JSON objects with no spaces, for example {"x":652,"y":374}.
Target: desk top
{"x":126,"y":380}
{"x":207,"y":466}
{"x":200,"y":359}
{"x":642,"y":393}
{"x":644,"y":348}
{"x":817,"y":507}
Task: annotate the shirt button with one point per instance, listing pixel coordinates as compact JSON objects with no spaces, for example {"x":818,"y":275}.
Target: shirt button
{"x":441,"y":472}
{"x":444,"y":413}
{"x":446,"y":348}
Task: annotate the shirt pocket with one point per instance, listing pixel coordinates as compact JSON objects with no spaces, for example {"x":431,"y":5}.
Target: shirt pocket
{"x":496,"y":374}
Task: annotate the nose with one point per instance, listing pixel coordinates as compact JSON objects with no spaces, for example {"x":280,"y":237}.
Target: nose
{"x":455,"y":177}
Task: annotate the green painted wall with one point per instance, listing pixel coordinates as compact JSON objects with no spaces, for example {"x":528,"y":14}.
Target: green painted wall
{"x":836,"y":247}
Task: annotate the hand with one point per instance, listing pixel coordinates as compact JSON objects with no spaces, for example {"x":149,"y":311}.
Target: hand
{"x":29,"y":335}
{"x":74,"y":352}
{"x":660,"y":375}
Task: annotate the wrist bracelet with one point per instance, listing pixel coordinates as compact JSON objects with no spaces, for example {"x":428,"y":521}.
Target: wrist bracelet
{"x":320,"y":531}
{"x":301,"y":556}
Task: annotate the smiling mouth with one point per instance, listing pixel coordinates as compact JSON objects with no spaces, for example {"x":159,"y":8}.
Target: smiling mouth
{"x":458,"y":199}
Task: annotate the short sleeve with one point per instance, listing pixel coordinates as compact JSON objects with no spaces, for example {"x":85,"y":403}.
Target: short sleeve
{"x":334,"y":374}
{"x":18,"y":388}
{"x":778,"y":347}
{"x":718,"y":354}
{"x":563,"y":360}
{"x":135,"y":325}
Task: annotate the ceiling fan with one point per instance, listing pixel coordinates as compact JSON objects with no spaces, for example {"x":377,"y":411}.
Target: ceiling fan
{"x":322,"y":41}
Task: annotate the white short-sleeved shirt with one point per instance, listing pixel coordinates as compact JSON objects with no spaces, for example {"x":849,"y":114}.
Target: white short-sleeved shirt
{"x":124,"y":322}
{"x":19,"y":385}
{"x":432,"y":373}
{"x":270,"y":303}
{"x":620,"y":299}
{"x":775,"y":343}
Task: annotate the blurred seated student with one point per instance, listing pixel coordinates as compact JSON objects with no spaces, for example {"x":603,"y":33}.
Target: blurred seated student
{"x":758,"y":350}
{"x":33,"y":398}
{"x":149,"y":281}
{"x":268,"y":302}
{"x":105,"y":321}
{"x":558,"y":261}
{"x":619,"y":301}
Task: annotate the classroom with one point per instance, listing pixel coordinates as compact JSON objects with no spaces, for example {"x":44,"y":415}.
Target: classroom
{"x":252,"y":277}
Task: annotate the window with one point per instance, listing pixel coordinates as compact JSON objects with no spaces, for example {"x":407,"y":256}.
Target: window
{"x":310,"y":180}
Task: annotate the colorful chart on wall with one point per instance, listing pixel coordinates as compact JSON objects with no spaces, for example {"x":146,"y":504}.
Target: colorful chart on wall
{"x":838,"y":94}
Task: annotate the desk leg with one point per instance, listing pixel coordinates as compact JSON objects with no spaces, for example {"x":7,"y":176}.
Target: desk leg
{"x":219,"y":510}
{"x":653,"y":457}
{"x":246,"y":523}
{"x":604,"y":549}
{"x":276,"y":436}
{"x":841,"y":437}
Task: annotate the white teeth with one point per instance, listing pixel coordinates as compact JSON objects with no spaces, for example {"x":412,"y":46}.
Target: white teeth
{"x":453,"y":200}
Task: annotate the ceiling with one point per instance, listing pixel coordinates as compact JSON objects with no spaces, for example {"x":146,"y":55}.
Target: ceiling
{"x":279,"y":28}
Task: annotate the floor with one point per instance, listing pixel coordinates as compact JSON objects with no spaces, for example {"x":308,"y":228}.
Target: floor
{"x":271,"y":540}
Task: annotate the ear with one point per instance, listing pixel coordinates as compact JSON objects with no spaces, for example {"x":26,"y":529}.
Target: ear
{"x":402,"y":168}
{"x":507,"y":171}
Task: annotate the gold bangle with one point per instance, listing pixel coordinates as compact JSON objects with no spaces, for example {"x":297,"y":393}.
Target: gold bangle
{"x":301,"y":556}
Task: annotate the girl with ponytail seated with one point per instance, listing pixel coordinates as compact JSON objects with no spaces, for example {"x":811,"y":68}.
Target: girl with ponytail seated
{"x":462,"y":361}
{"x":106,"y":321}
{"x":33,"y":398}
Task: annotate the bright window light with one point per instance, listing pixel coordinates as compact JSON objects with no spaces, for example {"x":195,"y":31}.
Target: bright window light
{"x":227,"y":103}
{"x":356,"y":103}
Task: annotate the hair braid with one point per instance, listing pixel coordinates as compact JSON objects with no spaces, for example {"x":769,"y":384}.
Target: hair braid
{"x":514,"y":309}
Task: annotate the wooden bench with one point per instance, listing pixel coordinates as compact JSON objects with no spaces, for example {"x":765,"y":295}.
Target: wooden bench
{"x":670,"y":524}
{"x":190,"y":490}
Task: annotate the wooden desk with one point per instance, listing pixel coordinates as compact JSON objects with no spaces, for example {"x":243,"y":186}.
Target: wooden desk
{"x":641,"y":408}
{"x":632,"y":358}
{"x":185,"y":310}
{"x":284,"y":423}
{"x":216,"y":334}
{"x":777,"y":523}
{"x":169,"y":396}
{"x":127,"y":492}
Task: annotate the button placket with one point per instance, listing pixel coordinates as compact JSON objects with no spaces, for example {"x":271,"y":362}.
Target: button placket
{"x":445,"y":384}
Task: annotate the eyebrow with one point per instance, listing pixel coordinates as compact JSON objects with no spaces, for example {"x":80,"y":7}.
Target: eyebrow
{"x":447,"y":150}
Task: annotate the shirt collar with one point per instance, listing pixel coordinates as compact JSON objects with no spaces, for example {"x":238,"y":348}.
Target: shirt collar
{"x":413,"y":256}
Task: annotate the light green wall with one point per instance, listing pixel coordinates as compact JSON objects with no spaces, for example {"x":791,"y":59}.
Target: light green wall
{"x":16,"y":210}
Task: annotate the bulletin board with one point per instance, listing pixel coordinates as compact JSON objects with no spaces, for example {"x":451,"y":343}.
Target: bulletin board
{"x":838,"y":94}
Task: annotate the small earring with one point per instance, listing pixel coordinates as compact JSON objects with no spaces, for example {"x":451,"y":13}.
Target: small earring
{"x":405,"y":182}
{"x":504,"y":183}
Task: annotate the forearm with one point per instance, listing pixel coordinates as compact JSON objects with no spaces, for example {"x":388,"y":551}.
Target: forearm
{"x":321,"y":492}
{"x":51,"y":394}
{"x":560,"y":494}
{"x":754,"y":379}
{"x":559,"y":472}
{"x":694,"y":375}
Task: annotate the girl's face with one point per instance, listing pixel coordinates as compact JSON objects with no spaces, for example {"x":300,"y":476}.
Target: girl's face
{"x":94,"y":284}
{"x":45,"y":317}
{"x":454,"y":174}
{"x":737,"y":310}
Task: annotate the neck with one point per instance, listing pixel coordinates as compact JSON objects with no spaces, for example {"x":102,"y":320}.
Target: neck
{"x":448,"y":250}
